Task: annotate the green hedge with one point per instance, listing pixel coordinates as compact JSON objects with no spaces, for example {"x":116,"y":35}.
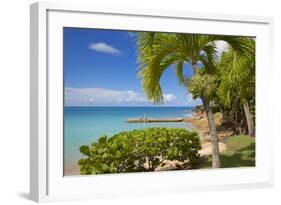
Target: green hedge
{"x":139,"y":150}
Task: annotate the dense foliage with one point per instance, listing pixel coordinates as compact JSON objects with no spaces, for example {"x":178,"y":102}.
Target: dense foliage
{"x":236,"y":89}
{"x":139,"y":150}
{"x":202,"y":85}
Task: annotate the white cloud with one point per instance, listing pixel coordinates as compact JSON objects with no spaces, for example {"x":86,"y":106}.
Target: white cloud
{"x":102,"y":96}
{"x":222,"y":46}
{"x":192,"y":102}
{"x":104,"y":48}
{"x":169,"y":97}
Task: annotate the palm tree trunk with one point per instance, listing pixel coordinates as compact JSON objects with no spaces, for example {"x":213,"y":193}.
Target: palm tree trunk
{"x":250,"y":122}
{"x":213,"y":133}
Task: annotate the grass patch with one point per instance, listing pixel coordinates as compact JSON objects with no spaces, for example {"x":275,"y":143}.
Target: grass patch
{"x":240,"y":153}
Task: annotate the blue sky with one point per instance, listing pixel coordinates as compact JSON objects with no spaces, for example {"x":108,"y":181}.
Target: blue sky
{"x":100,"y":69}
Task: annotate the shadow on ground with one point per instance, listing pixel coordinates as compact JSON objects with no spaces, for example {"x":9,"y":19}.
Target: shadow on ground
{"x":244,"y":157}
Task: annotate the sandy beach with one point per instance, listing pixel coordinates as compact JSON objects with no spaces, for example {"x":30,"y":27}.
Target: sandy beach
{"x":200,"y":122}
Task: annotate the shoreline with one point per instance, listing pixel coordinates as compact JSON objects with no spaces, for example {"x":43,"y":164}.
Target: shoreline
{"x":200,"y":122}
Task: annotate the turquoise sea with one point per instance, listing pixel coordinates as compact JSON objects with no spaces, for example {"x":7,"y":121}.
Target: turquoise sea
{"x":84,"y":125}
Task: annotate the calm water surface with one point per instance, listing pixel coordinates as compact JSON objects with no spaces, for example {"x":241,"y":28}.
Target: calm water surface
{"x":84,"y":125}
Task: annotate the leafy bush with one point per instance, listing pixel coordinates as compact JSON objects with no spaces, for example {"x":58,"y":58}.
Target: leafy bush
{"x":139,"y":150}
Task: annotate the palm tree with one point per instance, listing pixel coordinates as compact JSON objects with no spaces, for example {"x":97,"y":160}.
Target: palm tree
{"x":237,"y":70}
{"x":157,"y":51}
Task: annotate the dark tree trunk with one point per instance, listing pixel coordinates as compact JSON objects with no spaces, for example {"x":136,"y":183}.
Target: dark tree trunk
{"x":213,"y":133}
{"x":249,"y":119}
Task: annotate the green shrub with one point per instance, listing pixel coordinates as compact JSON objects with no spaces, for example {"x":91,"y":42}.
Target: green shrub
{"x":139,"y":150}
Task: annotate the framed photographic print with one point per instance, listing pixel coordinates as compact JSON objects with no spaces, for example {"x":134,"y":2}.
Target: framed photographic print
{"x":127,"y":102}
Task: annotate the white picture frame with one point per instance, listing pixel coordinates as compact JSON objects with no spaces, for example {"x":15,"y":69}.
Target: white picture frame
{"x":47,"y":182}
